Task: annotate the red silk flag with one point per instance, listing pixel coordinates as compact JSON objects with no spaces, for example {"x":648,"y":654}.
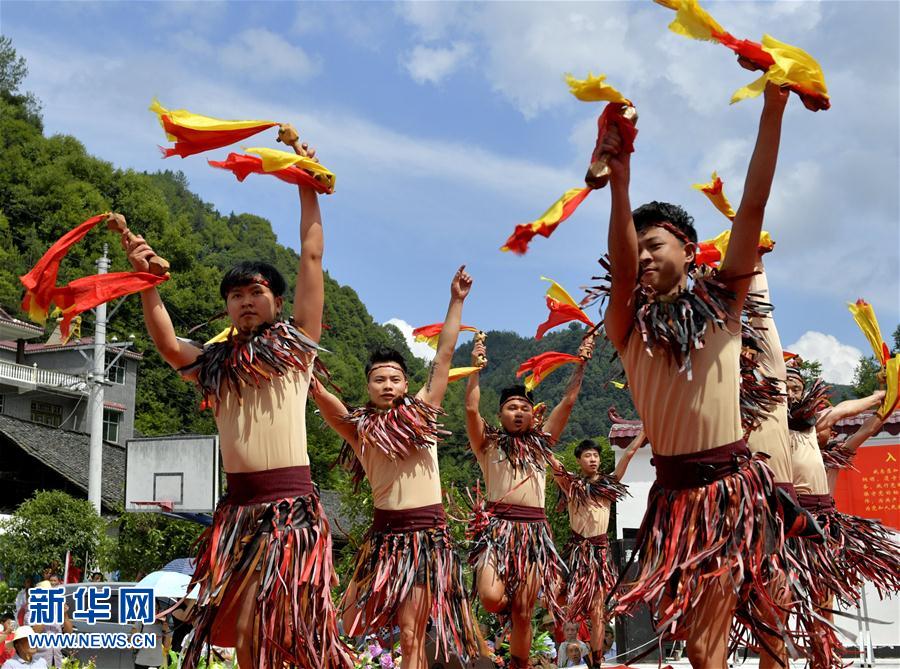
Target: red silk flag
{"x":871,"y":489}
{"x":563,"y":309}
{"x":429,"y":334}
{"x":242,"y":165}
{"x":86,"y":293}
{"x":194,"y":133}
{"x":545,"y":225}
{"x":40,"y":282}
{"x":543,"y":364}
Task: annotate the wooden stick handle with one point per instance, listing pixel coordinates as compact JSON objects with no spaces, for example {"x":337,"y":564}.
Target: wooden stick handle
{"x":159,"y":266}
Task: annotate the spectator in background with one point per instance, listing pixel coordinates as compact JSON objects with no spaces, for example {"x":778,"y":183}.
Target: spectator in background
{"x":570,"y":631}
{"x":22,"y":600}
{"x":53,"y":657}
{"x":7,"y":632}
{"x":574,"y":654}
{"x":97,"y":577}
{"x":24,"y":656}
{"x":609,"y":644}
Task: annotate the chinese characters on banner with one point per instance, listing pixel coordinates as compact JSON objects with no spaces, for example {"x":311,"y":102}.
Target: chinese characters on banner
{"x":91,"y":604}
{"x":873,"y":490}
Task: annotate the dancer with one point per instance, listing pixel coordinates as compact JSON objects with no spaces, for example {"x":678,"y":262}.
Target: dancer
{"x":589,"y":497}
{"x":406,"y":571}
{"x":264,"y":567}
{"x":513,"y":555}
{"x":680,"y":347}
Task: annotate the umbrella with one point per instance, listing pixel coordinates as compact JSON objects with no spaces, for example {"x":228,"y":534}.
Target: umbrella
{"x":168,"y":584}
{"x":181,"y":566}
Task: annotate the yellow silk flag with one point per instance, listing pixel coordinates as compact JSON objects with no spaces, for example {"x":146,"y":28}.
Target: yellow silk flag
{"x":865,"y":318}
{"x":892,"y":381}
{"x":691,"y":20}
{"x":793,"y":67}
{"x":714,"y":190}
{"x":594,"y":89}
{"x":222,"y":336}
{"x":458,"y":373}
{"x":274,"y":160}
{"x":545,"y":225}
{"x":430,"y":334}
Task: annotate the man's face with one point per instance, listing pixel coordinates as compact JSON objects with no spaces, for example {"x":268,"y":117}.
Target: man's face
{"x":589,"y":461}
{"x":24,"y":649}
{"x":571,"y":631}
{"x":664,"y":260}
{"x":252,"y":305}
{"x":386,"y":383}
{"x":573,"y":652}
{"x":516,"y":415}
{"x":608,"y":639}
{"x":54,"y":580}
{"x":794,"y":389}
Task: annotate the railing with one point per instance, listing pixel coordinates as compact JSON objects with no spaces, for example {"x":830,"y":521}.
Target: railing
{"x":33,"y":376}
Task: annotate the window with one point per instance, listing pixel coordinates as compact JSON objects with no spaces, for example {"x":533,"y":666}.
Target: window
{"x":46,"y":413}
{"x":111,"y":420}
{"x":115,"y":371}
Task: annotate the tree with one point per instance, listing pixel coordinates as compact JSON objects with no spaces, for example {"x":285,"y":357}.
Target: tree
{"x":13,"y":70}
{"x":43,"y":528}
{"x":865,"y":377}
{"x":147,"y":542}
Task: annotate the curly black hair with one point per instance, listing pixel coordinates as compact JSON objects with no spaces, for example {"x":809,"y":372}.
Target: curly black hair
{"x":655,"y":212}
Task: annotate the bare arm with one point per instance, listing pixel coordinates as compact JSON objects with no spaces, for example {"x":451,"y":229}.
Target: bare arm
{"x":159,"y":326}
{"x":436,"y":386}
{"x":333,"y":412}
{"x":474,"y":421}
{"x":560,"y":475}
{"x":847,"y":409}
{"x":742,"y":254}
{"x":556,"y":423}
{"x":632,"y":448}
{"x":309,"y":295}
{"x":623,"y":248}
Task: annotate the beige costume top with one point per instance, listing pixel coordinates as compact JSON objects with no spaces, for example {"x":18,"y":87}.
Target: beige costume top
{"x":406,"y":483}
{"x":589,"y":520}
{"x":681,"y":415}
{"x":810,"y":477}
{"x":771,"y":437}
{"x":524,"y":487}
{"x":265,"y":428}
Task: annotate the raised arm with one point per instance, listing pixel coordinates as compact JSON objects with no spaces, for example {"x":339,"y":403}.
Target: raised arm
{"x":333,"y":412}
{"x":309,"y":295}
{"x":632,"y":448}
{"x":556,"y":423}
{"x":474,"y":421}
{"x":847,"y":409}
{"x":623,"y":246}
{"x":871,"y":426}
{"x":562,"y":477}
{"x":174,"y":351}
{"x":742,"y":254}
{"x":436,"y":386}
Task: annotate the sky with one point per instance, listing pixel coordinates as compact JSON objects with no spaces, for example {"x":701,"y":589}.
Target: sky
{"x":449,"y":123}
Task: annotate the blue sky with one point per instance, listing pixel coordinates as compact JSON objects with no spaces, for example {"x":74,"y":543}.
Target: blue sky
{"x":448,"y":123}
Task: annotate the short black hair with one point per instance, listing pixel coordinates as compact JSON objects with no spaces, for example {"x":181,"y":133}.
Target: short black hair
{"x":384,"y":354}
{"x":514,"y":391}
{"x":586,"y":445}
{"x":245,"y":273}
{"x":655,"y":212}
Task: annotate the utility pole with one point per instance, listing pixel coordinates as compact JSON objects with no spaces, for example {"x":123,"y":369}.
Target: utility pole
{"x":97,"y":381}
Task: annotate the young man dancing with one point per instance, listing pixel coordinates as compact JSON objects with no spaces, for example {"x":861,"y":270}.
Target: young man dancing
{"x":512,"y":552}
{"x":264,"y":567}
{"x":589,"y":497}
{"x":678,"y":334}
{"x":407,"y":571}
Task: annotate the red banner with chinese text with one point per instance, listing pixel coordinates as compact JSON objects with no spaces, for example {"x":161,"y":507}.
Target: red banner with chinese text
{"x":873,"y":491}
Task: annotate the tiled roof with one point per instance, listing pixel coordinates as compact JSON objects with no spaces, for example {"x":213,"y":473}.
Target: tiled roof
{"x":340,"y":522}
{"x":83,"y":343}
{"x":67,"y":453}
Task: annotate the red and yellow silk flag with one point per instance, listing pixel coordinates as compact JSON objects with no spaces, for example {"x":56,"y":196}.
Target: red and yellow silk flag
{"x":712,"y":251}
{"x":41,"y":280}
{"x":563,"y":309}
{"x":458,"y":373}
{"x":595,"y":89}
{"x":714,"y":190}
{"x":430,"y":334}
{"x":274,"y":160}
{"x":194,"y":133}
{"x":545,"y":225}
{"x":242,"y":165}
{"x":79,"y":295}
{"x":782,"y":64}
{"x":539,"y":366}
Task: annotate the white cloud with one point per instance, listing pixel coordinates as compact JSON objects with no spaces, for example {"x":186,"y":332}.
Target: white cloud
{"x":838,"y":360}
{"x":419,"y":349}
{"x":269,"y":56}
{"x":433,"y":64}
